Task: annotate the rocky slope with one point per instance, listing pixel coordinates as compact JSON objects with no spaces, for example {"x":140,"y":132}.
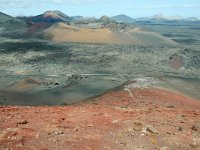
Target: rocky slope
{"x":126,"y":119}
{"x":9,"y":24}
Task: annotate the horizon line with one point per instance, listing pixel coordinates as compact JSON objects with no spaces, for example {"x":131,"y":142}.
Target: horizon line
{"x":22,"y":15}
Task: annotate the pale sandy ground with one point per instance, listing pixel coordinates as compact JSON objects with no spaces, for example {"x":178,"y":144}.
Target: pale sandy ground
{"x":66,"y":33}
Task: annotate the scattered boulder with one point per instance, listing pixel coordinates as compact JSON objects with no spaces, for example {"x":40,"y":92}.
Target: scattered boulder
{"x":196,"y":127}
{"x":137,"y":126}
{"x":73,"y":80}
{"x":195,"y":143}
{"x":22,"y":122}
{"x":56,"y":132}
{"x":137,"y":122}
{"x":90,"y":125}
{"x":169,"y":105}
{"x":180,"y":128}
{"x":164,"y":148}
{"x":56,"y":83}
{"x":150,"y":129}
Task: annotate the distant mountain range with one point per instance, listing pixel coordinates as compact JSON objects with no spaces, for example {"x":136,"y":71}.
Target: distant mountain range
{"x":58,"y":27}
{"x":157,"y":17}
{"x":162,"y":17}
{"x":58,"y":16}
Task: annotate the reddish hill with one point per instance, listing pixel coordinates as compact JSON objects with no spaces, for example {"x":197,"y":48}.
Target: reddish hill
{"x":50,"y":17}
{"x":120,"y":120}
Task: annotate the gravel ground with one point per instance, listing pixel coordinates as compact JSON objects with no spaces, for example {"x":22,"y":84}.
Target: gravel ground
{"x":44,"y":58}
{"x":75,"y":66}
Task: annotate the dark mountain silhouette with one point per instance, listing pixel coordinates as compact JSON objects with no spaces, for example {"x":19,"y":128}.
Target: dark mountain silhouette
{"x":11,"y":24}
{"x":4,"y":17}
{"x":122,"y":18}
{"x":50,"y":17}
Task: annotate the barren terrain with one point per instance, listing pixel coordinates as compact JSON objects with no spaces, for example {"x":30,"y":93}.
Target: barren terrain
{"x":130,"y":118}
{"x":106,"y":34}
{"x":98,"y":84}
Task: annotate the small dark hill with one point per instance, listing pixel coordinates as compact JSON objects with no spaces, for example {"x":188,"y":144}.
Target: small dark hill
{"x":105,"y":19}
{"x":122,"y":18}
{"x":4,"y":17}
{"x":11,"y":24}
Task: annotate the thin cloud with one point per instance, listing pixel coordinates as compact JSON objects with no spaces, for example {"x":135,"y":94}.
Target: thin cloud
{"x":165,"y":6}
{"x":14,"y":3}
{"x":34,"y":3}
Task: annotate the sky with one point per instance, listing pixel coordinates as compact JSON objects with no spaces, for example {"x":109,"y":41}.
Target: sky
{"x":97,"y":8}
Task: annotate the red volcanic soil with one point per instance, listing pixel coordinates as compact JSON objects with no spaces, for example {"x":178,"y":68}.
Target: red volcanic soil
{"x":137,"y":119}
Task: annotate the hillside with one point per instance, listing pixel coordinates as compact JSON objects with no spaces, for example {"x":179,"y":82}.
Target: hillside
{"x":50,"y":17}
{"x":105,"y":19}
{"x":120,"y":120}
{"x":58,"y":27}
{"x":11,"y":24}
{"x":109,"y":33}
{"x":122,"y":18}
{"x":163,"y":17}
{"x":4,"y":17}
{"x":65,"y":33}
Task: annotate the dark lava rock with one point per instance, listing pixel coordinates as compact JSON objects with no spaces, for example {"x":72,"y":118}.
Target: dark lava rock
{"x":196,"y":127}
{"x":22,"y":122}
{"x":168,"y":105}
